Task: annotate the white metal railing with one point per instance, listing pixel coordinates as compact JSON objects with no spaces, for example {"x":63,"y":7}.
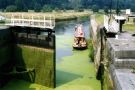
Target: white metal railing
{"x":31,"y":21}
{"x":111,"y":25}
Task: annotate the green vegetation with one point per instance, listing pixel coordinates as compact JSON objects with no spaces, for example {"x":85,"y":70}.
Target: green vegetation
{"x":39,"y":59}
{"x":59,"y":16}
{"x":133,"y":70}
{"x":107,"y":83}
{"x":37,"y":5}
{"x":129,"y":27}
{"x":99,"y":18}
{"x":4,"y":55}
{"x":77,"y":72}
{"x":17,"y":84}
{"x":11,"y":8}
{"x":47,"y":8}
{"x":91,"y":51}
{"x":106,"y":10}
{"x":2,"y":22}
{"x":95,"y":8}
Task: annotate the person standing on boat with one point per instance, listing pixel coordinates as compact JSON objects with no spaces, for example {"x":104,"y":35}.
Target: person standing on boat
{"x":79,"y":34}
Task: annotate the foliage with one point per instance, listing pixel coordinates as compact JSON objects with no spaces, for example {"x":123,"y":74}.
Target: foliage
{"x":25,"y":5}
{"x":47,"y":8}
{"x":106,"y":10}
{"x":2,"y":21}
{"x":95,"y":8}
{"x":133,"y":69}
{"x":11,"y":8}
{"x":117,"y":11}
{"x":79,"y":10}
{"x":91,"y":49}
{"x":37,"y":7}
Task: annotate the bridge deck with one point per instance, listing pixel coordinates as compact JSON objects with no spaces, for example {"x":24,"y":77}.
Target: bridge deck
{"x":31,"y":21}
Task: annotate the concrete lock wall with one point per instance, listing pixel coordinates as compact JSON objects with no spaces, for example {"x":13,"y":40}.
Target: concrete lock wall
{"x":36,"y":40}
{"x":38,"y":59}
{"x":101,"y":59}
{"x":5,"y":54}
{"x":33,"y":64}
{"x":114,"y":58}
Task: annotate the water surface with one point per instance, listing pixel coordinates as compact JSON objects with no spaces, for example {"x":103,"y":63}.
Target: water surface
{"x":74,"y":70}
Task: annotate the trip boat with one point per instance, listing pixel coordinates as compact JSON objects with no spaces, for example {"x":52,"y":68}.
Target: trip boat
{"x":79,"y":38}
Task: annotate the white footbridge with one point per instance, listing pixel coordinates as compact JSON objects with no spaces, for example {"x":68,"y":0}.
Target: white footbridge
{"x":33,"y":21}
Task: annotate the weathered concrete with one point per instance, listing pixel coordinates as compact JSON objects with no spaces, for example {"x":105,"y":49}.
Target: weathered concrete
{"x":122,"y":60}
{"x":122,"y":50}
{"x":117,"y":55}
{"x":26,"y":57}
{"x":123,"y":79}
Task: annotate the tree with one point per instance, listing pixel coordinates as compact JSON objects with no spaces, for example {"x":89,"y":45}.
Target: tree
{"x":11,"y":8}
{"x":95,"y":8}
{"x":47,"y":8}
{"x":37,"y":7}
{"x":106,"y":10}
{"x":19,"y":4}
{"x":118,"y":11}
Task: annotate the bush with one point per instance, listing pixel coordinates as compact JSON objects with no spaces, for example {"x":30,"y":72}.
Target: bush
{"x":11,"y":8}
{"x":95,"y":8}
{"x":118,"y":11}
{"x":2,"y":21}
{"x":78,"y":9}
{"x":47,"y":8}
{"x":37,"y":7}
{"x":106,"y":10}
{"x":91,"y":53}
{"x":57,"y":9}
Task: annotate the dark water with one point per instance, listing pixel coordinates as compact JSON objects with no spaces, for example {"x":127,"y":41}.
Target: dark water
{"x":64,"y":33}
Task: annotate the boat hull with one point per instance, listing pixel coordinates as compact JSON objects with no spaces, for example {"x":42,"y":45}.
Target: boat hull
{"x":79,"y":47}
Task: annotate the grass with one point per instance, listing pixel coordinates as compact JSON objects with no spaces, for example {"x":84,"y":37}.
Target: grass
{"x":58,"y":16}
{"x":99,"y":18}
{"x":129,"y":27}
{"x":91,"y":51}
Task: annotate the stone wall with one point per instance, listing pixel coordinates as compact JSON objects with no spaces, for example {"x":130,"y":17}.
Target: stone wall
{"x":114,"y":58}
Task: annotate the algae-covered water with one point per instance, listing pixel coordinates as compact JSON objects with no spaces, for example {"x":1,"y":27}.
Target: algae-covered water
{"x":74,"y":69}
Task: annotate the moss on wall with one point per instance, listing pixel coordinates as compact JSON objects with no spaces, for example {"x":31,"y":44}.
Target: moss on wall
{"x":39,"y":59}
{"x":4,"y":55}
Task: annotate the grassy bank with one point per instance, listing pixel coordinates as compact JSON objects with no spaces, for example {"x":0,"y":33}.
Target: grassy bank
{"x":59,"y":16}
{"x":128,"y":26}
{"x":99,"y":18}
